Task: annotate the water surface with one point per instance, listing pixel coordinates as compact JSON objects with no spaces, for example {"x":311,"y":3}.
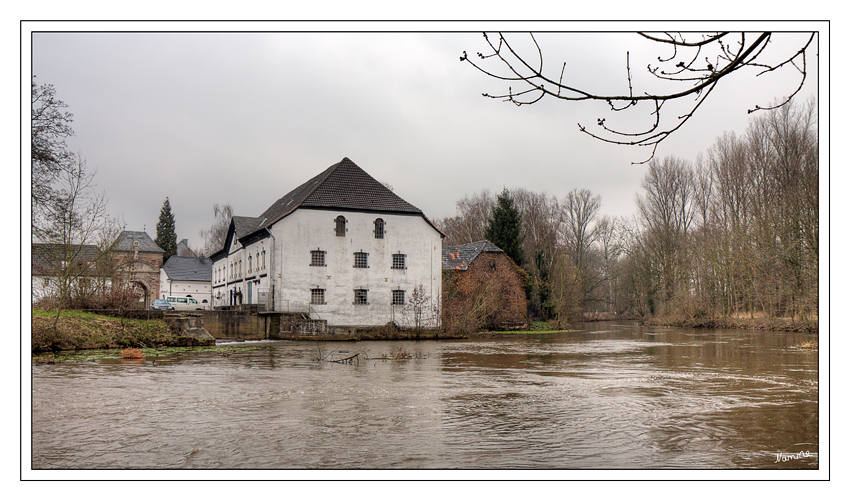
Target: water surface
{"x":614,"y":396}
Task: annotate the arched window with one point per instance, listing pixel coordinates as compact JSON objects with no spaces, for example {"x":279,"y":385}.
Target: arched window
{"x":379,"y":228}
{"x":264,"y":259}
{"x":249,"y":263}
{"x":340,"y":226}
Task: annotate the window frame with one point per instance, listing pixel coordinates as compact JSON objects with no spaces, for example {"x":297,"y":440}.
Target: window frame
{"x":361,"y":297}
{"x":317,"y":293}
{"x":380,"y":228}
{"x":361,"y":259}
{"x":396,"y":301}
{"x":399,"y":257}
{"x":317,"y":258}
{"x":340,"y":226}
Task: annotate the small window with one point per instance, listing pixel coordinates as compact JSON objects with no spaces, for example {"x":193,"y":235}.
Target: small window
{"x":264,"y":259}
{"x":249,"y":264}
{"x":398,"y":298}
{"x":492,"y":265}
{"x":399,"y":261}
{"x":360,"y":260}
{"x":360,"y":296}
{"x":379,"y":228}
{"x":340,"y":226}
{"x":317,"y":296}
{"x":317,"y":258}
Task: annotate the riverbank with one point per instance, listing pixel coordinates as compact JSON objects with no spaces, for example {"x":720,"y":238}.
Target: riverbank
{"x":77,"y":330}
{"x":762,"y":324}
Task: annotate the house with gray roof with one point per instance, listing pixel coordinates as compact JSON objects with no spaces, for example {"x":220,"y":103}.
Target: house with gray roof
{"x":187,"y":276}
{"x":340,"y":247}
{"x":480,"y":273}
{"x":58,"y":267}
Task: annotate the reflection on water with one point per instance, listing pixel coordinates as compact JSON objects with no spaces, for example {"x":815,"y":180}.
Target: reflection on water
{"x":611,"y":397}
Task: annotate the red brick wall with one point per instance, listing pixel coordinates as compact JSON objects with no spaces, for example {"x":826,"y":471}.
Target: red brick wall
{"x":502,"y":282}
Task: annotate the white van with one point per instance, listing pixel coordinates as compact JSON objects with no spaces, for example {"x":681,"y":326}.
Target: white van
{"x":185,"y":303}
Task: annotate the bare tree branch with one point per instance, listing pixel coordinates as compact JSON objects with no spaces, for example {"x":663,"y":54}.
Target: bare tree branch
{"x":697,"y":65}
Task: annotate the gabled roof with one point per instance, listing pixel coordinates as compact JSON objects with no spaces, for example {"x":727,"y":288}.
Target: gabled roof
{"x":459,"y":257}
{"x":243,"y":226}
{"x":47,"y":258}
{"x":127,"y":240}
{"x":194,"y":269}
{"x":343,"y":185}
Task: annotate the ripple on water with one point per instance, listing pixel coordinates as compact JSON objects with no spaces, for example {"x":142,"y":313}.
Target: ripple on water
{"x":612,"y":400}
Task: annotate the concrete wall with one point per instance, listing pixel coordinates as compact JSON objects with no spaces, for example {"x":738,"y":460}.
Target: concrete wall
{"x":228,"y":324}
{"x":306,"y":230}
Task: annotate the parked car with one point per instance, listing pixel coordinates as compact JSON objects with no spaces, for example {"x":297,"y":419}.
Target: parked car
{"x":161,"y":304}
{"x":185,"y":303}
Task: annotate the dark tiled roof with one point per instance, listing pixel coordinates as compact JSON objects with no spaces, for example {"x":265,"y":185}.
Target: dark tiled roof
{"x":128,"y":238}
{"x":459,"y":257}
{"x":341,"y":186}
{"x":245,"y":225}
{"x":196,"y":269}
{"x":47,"y":257}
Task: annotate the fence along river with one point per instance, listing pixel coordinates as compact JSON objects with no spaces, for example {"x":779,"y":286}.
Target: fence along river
{"x":614,"y":396}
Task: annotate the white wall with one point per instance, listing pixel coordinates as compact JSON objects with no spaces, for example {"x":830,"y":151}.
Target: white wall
{"x":250,"y":277}
{"x":305,"y":230}
{"x":184,"y":288}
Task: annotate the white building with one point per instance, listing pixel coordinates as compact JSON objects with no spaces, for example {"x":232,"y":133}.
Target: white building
{"x":184,"y":276}
{"x":341,"y":247}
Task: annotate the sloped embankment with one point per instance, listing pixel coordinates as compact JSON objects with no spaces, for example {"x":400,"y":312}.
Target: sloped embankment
{"x":76,"y":330}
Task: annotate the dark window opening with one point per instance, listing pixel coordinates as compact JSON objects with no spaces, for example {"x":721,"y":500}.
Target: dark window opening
{"x":361,"y":260}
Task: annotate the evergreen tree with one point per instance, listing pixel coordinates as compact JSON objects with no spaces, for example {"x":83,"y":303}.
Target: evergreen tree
{"x":504,"y":225}
{"x":166,"y":237}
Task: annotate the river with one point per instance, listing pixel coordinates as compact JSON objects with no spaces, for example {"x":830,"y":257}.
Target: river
{"x":614,"y":396}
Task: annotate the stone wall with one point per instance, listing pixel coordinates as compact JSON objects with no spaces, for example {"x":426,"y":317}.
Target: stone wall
{"x":235,"y":324}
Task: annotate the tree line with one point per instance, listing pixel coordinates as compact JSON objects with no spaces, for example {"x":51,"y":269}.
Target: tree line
{"x":733,"y":232}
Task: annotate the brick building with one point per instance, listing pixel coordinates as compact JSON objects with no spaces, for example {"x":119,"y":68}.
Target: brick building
{"x":481,"y":270}
{"x":138,"y":260}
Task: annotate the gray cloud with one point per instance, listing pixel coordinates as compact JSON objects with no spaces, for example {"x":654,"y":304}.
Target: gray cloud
{"x":242,"y":118}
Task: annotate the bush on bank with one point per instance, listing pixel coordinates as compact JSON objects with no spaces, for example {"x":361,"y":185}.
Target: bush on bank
{"x":762,"y":324}
{"x":77,"y":330}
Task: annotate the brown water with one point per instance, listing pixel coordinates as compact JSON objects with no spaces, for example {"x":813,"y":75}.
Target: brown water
{"x":615,"y":396}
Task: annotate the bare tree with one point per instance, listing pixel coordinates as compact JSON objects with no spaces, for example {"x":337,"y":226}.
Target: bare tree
{"x":79,"y":236}
{"x":471,"y":219}
{"x":667,"y":211}
{"x":580,"y":208}
{"x":50,"y":126}
{"x":215,"y":236}
{"x":684,"y":67}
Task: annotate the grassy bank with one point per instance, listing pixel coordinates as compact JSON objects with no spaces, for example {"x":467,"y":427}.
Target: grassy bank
{"x":76,"y":330}
{"x":762,"y":324}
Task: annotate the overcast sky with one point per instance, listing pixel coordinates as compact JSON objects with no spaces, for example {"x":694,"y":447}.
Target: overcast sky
{"x":243,"y":118}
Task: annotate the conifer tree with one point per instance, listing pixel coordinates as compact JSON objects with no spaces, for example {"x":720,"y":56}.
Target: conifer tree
{"x":503,"y":228}
{"x":166,"y":237}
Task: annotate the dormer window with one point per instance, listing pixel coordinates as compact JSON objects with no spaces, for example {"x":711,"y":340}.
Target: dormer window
{"x":340,"y":226}
{"x":379,"y":228}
